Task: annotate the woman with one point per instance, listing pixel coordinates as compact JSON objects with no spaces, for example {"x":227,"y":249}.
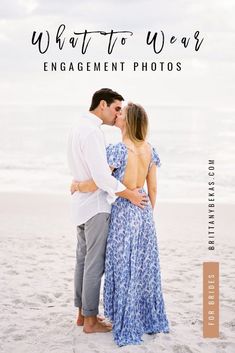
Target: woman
{"x":133,"y":298}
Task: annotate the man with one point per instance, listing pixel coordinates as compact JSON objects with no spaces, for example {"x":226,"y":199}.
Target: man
{"x":87,"y":160}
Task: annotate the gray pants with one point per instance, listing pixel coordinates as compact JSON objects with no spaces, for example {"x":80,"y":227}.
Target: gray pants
{"x":90,"y":256}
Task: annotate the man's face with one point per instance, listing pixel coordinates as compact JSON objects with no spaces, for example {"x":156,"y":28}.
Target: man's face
{"x":120,"y":121}
{"x":111,"y":112}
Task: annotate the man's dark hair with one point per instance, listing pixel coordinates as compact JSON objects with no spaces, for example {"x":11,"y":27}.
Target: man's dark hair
{"x":105,"y":94}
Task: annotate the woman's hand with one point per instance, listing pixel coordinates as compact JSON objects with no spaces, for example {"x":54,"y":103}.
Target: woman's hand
{"x":74,"y":187}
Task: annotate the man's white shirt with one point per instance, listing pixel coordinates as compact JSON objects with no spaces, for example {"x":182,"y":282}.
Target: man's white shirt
{"x":87,"y":160}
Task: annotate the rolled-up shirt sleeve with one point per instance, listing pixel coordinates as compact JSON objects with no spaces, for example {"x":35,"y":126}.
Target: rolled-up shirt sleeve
{"x":95,"y":157}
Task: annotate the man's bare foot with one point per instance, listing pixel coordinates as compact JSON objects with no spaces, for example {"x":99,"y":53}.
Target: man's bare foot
{"x":97,"y":327}
{"x":100,"y":318}
{"x":80,"y":319}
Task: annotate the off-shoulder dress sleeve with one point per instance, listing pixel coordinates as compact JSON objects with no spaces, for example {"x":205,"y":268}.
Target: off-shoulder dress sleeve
{"x":115,"y":155}
{"x":155,"y":158}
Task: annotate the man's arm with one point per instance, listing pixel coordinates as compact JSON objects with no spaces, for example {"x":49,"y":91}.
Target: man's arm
{"x":89,"y":186}
{"x":94,"y":153}
{"x":95,"y":156}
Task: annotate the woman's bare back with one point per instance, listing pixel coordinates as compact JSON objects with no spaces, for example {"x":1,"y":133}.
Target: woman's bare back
{"x":138,"y":161}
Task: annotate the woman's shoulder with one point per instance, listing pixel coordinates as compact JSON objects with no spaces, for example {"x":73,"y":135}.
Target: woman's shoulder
{"x":155,"y":159}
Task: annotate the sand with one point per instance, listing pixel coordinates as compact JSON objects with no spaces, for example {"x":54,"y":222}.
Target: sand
{"x":37,"y":262}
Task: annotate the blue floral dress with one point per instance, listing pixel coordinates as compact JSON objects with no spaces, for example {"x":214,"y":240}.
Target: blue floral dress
{"x":133,"y":298}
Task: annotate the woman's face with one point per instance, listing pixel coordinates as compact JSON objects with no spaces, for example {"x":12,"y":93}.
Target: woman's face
{"x":120,"y":121}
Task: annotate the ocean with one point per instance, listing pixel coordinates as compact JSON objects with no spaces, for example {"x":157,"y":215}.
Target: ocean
{"x":33,"y":149}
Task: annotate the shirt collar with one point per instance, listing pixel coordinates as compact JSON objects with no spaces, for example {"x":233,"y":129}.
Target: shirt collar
{"x":94,"y":119}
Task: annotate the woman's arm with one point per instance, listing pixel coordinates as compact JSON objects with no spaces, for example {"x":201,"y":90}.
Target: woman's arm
{"x":84,"y":186}
{"x":152,"y":184}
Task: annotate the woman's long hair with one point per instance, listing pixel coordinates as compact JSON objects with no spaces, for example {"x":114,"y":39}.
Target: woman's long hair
{"x":136,"y":122}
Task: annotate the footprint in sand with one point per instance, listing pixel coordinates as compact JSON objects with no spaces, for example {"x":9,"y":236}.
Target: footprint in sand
{"x":25,"y":284}
{"x":44,"y":298}
{"x":197,"y":321}
{"x":222,"y":336}
{"x":10,"y":330}
{"x":182,"y":349}
{"x":17,"y":301}
{"x":230,"y":324}
{"x":18,"y":337}
{"x":12,"y":272}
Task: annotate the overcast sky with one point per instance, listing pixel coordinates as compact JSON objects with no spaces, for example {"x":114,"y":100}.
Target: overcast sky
{"x":207,"y":75}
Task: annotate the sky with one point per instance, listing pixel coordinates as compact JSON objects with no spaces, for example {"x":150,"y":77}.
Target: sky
{"x":207,"y":76}
{"x":203,"y":89}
